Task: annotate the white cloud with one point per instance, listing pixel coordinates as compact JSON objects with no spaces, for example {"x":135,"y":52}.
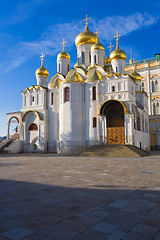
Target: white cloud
{"x":50,"y":41}
{"x":124,"y":25}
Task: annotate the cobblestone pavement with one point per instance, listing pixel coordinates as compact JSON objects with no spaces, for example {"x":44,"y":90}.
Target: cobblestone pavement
{"x":49,"y":197}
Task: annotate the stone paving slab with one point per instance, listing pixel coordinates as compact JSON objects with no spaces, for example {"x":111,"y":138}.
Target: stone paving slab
{"x":50,"y":197}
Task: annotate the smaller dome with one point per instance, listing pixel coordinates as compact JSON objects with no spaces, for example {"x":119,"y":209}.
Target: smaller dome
{"x":98,"y":46}
{"x":42,"y":71}
{"x":86,"y":37}
{"x":107,"y":60}
{"x":118,"y":54}
{"x":63,"y":55}
{"x":136,"y":76}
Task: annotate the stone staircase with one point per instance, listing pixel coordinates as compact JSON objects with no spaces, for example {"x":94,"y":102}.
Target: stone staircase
{"x":126,"y":151}
{"x":4,"y":144}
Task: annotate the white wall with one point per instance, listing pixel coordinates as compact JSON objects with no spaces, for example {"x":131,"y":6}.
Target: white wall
{"x":64,"y":62}
{"x":86,"y":48}
{"x":71,"y":118}
{"x":100,"y":57}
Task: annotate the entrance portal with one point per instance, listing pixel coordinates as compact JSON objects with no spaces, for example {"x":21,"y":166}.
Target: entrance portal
{"x":114,"y":112}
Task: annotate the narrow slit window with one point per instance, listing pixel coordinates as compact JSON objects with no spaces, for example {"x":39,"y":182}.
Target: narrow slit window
{"x":94,"y":93}
{"x":67,"y":94}
{"x":89,"y":57}
{"x":113,"y":88}
{"x":52,"y":96}
{"x":95,"y":59}
{"x":83,"y":58}
{"x":94,"y":122}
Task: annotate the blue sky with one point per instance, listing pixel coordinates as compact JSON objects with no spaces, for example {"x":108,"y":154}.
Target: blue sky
{"x":30,"y":27}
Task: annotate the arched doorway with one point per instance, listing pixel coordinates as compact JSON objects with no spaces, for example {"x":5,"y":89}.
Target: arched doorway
{"x":32,"y":137}
{"x":114,"y":112}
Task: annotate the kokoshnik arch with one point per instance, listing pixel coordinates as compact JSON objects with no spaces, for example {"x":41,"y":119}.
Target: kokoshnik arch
{"x":95,"y":102}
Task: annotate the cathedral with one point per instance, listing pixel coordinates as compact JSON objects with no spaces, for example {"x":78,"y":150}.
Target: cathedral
{"x":95,"y":102}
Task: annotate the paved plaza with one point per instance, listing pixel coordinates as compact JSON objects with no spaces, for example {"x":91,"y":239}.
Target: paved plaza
{"x":50,"y":197}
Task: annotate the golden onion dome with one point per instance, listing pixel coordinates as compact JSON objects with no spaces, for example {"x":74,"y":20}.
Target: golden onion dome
{"x":63,"y":55}
{"x":42,"y":71}
{"x":118,"y":54}
{"x":98,"y":46}
{"x":86,"y":37}
{"x":107,"y":60}
{"x":136,"y":76}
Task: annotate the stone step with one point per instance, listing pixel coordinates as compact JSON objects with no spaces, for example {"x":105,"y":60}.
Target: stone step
{"x":111,"y":151}
{"x":4,"y":144}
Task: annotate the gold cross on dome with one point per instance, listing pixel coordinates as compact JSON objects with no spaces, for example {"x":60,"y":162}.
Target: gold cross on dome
{"x":97,"y":32}
{"x":110,"y":47}
{"x":86,"y":19}
{"x":42,"y":57}
{"x":63,"y":44}
{"x":117,"y":36}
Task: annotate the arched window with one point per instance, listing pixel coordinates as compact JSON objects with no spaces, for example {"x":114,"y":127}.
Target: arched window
{"x":157,"y":108}
{"x":142,"y":86}
{"x":52,"y":96}
{"x":153,"y":89}
{"x":67,"y":94}
{"x":83,"y":58}
{"x":94,"y":93}
{"x":113,"y":88}
{"x":95,"y":59}
{"x":138,"y":121}
{"x":33,"y":127}
{"x":156,"y":86}
{"x":116,"y":69}
{"x":143,"y":123}
{"x":89,"y":57}
{"x":59,"y":67}
{"x":146,"y":125}
{"x":68,"y":67}
{"x":135,"y":125}
{"x":94,"y":122}
{"x":154,"y":109}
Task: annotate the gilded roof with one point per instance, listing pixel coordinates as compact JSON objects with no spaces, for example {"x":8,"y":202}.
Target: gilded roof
{"x":118,"y":54}
{"x":75,"y":77}
{"x":95,"y":76}
{"x":86,"y":37}
{"x":136,"y":76}
{"x":42,"y":71}
{"x":56,"y":83}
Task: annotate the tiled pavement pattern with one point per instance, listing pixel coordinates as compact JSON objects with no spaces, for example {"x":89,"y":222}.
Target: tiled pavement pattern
{"x":46,"y":197}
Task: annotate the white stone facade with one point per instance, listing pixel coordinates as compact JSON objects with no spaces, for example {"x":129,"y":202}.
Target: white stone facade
{"x":91,"y":104}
